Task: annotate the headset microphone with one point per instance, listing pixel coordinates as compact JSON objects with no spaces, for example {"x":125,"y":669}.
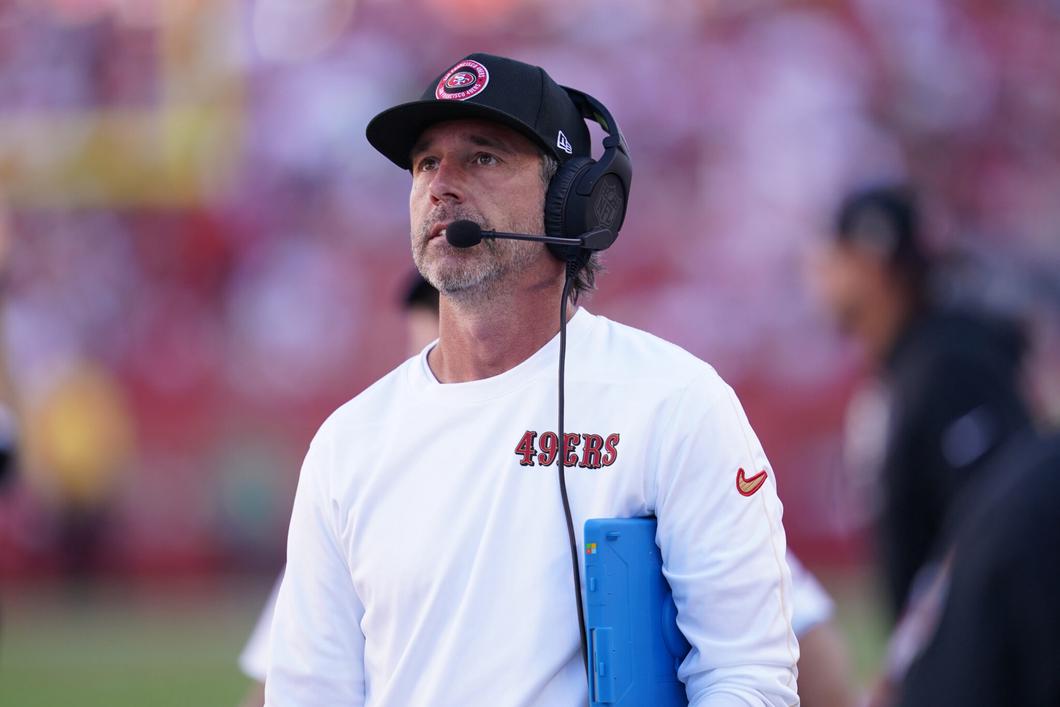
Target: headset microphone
{"x":464,"y":234}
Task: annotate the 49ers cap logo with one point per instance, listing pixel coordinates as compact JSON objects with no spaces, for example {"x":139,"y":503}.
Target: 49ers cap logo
{"x":466,"y":79}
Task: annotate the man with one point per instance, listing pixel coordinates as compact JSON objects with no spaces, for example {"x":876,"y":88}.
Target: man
{"x":950,"y":378}
{"x":427,"y":557}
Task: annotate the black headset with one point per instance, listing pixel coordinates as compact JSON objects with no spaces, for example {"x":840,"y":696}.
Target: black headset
{"x":587,"y":194}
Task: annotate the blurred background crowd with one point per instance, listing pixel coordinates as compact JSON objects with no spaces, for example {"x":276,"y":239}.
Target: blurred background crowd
{"x":201,"y":256}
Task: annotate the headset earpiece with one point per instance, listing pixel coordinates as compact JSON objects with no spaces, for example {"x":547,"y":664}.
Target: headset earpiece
{"x":557,"y":211}
{"x":587,"y":194}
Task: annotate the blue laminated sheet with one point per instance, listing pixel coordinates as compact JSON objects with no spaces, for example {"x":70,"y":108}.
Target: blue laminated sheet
{"x":635,"y":646}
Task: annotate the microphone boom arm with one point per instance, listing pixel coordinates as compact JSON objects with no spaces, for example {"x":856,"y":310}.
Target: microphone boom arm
{"x":528,"y":237}
{"x":599,"y":239}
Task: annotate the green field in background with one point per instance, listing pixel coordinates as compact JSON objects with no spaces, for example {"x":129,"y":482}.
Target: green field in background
{"x":168,"y":644}
{"x":174,"y":644}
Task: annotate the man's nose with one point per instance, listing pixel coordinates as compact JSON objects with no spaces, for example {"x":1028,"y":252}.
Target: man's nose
{"x":448,"y":182}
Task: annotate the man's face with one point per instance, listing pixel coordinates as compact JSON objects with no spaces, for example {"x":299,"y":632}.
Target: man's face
{"x":853,"y":286}
{"x":480,"y":171}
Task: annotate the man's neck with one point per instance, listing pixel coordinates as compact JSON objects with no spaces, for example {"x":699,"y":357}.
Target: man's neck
{"x":486,"y":336}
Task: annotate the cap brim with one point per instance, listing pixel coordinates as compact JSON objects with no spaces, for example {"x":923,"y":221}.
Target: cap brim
{"x":394,"y":132}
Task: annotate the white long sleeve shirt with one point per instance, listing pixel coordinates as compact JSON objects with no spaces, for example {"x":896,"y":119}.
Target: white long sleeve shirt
{"x":428,"y":562}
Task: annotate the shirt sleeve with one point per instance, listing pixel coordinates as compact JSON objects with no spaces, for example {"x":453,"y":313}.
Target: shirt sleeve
{"x":317,"y":647}
{"x":723,"y":551}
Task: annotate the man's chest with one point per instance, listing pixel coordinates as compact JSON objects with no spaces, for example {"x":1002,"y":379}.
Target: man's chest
{"x":445,"y":504}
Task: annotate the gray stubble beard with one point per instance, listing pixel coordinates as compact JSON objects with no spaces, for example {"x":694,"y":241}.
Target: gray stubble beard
{"x":484,"y":267}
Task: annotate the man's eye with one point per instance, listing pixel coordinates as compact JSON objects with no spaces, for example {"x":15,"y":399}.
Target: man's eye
{"x":426,"y":164}
{"x":485,"y":158}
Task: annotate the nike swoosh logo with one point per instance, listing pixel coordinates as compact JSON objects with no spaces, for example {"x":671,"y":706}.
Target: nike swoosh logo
{"x":746,"y":486}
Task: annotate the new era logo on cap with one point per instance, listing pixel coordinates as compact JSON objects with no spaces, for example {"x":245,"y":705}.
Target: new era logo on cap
{"x":563,"y":143}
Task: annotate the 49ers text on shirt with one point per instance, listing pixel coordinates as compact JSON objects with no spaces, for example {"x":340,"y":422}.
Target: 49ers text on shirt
{"x":589,"y":451}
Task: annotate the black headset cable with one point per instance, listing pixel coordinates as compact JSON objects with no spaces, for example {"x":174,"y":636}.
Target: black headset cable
{"x":572,"y":269}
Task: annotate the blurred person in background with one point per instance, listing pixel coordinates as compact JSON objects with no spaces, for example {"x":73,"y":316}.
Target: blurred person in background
{"x":948,"y":378}
{"x":986,"y":630}
{"x":8,"y":406}
{"x":419,"y":303}
{"x":79,"y":442}
{"x":997,"y":638}
{"x":825,"y":672}
{"x":75,"y":435}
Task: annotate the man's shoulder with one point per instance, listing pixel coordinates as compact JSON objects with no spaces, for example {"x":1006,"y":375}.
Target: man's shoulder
{"x":635,"y":354}
{"x":948,"y":343}
{"x":374,"y":405}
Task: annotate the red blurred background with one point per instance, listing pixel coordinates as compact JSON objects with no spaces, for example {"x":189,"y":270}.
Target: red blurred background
{"x":203,"y":255}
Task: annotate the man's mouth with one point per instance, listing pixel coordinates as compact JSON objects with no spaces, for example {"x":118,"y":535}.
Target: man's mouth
{"x":438,"y":230}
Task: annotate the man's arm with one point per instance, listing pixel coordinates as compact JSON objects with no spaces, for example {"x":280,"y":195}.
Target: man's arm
{"x":317,"y":647}
{"x":723,"y":551}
